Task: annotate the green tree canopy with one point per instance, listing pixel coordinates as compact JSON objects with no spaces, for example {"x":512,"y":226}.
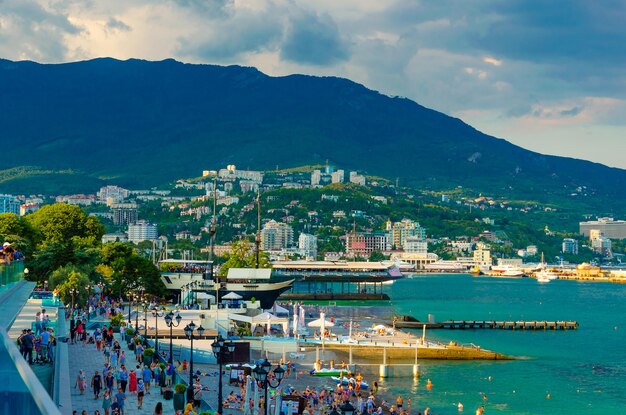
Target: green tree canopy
{"x":61,"y":222}
{"x":71,"y":284}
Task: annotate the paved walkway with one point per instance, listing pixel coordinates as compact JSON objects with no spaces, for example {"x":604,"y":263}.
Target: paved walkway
{"x":89,"y":360}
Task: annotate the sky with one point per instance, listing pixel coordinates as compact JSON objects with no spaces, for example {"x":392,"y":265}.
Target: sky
{"x":549,"y":75}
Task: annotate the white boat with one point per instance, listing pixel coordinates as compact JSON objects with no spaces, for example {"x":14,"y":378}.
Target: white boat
{"x":507,"y":271}
{"x":545,"y":276}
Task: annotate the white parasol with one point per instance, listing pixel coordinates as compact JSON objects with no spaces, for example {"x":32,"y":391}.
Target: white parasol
{"x":246,"y":405}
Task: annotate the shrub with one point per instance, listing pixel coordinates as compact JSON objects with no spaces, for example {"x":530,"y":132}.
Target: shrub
{"x":149,"y":352}
{"x":138,"y":340}
{"x":130,"y":332}
{"x":180,"y":388}
{"x":116,"y":320}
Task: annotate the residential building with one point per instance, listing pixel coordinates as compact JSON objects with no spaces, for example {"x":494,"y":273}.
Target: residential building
{"x":142,"y":231}
{"x":316,"y":177}
{"x":308,"y":245}
{"x":115,"y":193}
{"x":231,"y":173}
{"x":9,"y":204}
{"x":78,"y":200}
{"x":114,"y":237}
{"x":357,"y":178}
{"x":337,"y":176}
{"x":610,"y":228}
{"x":276,"y":236}
{"x":362,"y":244}
{"x":400,"y":231}
{"x":602,"y":245}
{"x":482,"y":256}
{"x":415,"y":245}
{"x":27,"y":208}
{"x":124,"y":213}
{"x":248,"y":186}
{"x":570,"y":246}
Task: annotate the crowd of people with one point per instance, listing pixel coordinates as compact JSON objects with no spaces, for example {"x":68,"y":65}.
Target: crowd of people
{"x":8,"y":253}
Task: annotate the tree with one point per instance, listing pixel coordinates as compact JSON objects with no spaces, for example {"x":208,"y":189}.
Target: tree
{"x":126,"y":271}
{"x":242,"y":256}
{"x":70,"y":284}
{"x":61,"y":222}
{"x":377,"y":256}
{"x":53,"y":255}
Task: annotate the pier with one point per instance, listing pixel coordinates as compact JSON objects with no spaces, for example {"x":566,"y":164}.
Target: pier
{"x":490,"y":324}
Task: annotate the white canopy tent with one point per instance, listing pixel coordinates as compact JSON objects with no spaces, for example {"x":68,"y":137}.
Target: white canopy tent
{"x":232,"y":296}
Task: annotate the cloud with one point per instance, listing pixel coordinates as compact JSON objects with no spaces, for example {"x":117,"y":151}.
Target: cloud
{"x":30,"y":31}
{"x":314,"y":39}
{"x":114,"y":25}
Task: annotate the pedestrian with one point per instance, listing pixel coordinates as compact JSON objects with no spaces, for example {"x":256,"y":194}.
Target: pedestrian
{"x":147,"y":378}
{"x":81,"y":382}
{"x":158,"y":409}
{"x":123,"y":377}
{"x":96,"y":384}
{"x":120,"y":397}
{"x":106,"y":401}
{"x":140,"y":391}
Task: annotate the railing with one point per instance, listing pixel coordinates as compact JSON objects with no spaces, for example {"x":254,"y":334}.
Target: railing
{"x":10,"y":274}
{"x":24,"y":394}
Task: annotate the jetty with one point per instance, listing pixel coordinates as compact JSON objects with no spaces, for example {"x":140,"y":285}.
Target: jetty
{"x":410,"y":322}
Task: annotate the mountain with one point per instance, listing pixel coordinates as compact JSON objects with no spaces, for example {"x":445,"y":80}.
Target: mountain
{"x":140,"y":123}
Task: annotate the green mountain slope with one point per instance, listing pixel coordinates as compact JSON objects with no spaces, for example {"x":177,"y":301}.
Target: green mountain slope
{"x":146,"y":123}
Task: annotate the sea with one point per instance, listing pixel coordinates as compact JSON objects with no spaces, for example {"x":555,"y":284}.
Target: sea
{"x":579,"y":371}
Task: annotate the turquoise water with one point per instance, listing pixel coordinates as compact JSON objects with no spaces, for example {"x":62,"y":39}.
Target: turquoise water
{"x":583,"y":371}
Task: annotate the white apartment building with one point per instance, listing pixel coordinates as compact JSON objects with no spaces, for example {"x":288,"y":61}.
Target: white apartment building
{"x":116,"y":193}
{"x":142,"y":231}
{"x":308,"y":245}
{"x":337,"y":176}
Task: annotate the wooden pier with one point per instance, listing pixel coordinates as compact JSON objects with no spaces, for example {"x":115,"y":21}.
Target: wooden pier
{"x":509,"y":325}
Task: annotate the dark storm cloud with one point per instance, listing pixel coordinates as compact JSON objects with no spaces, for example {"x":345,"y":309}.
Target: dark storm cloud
{"x":314,"y":39}
{"x":114,"y":24}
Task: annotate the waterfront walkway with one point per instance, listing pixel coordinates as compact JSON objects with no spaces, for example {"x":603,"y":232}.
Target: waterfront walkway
{"x":88,"y":359}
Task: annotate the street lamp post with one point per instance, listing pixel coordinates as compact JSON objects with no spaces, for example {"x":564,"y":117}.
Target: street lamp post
{"x":130,"y":304}
{"x":221,"y":351}
{"x":261,"y":373}
{"x":73,"y":292}
{"x":189,"y":332}
{"x":156,"y":313}
{"x":145,"y":320}
{"x":169,"y":320}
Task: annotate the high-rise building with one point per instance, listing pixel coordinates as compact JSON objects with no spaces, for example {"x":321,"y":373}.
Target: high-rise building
{"x":569,"y":246}
{"x":142,"y":231}
{"x":9,"y":204}
{"x":400,"y":231}
{"x":276,"y":236}
{"x":609,"y":227}
{"x":308,"y":245}
{"x":316,"y":177}
{"x":124,"y":213}
{"x":357,"y":178}
{"x":482,"y":255}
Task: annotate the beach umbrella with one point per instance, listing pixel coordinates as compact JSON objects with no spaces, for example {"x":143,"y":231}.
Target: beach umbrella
{"x":246,"y":406}
{"x":256,"y":399}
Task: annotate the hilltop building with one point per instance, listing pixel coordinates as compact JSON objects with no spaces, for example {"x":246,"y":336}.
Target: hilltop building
{"x":569,"y":246}
{"x":9,"y":204}
{"x":231,"y":173}
{"x":608,"y":227}
{"x":142,"y":231}
{"x":114,"y":237}
{"x":78,"y":200}
{"x":357,"y":178}
{"x":316,"y":177}
{"x":308,"y":245}
{"x":27,"y":208}
{"x":112,"y":194}
{"x":337,"y":176}
{"x":276,"y":236}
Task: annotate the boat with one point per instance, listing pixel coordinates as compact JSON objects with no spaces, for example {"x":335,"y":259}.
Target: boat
{"x":445,"y":266}
{"x":350,"y":381}
{"x":545,"y":275}
{"x":186,"y":276}
{"x":327,"y":372}
{"x":507,"y":271}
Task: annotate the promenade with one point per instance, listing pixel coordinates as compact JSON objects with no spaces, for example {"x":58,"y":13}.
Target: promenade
{"x":89,"y":359}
